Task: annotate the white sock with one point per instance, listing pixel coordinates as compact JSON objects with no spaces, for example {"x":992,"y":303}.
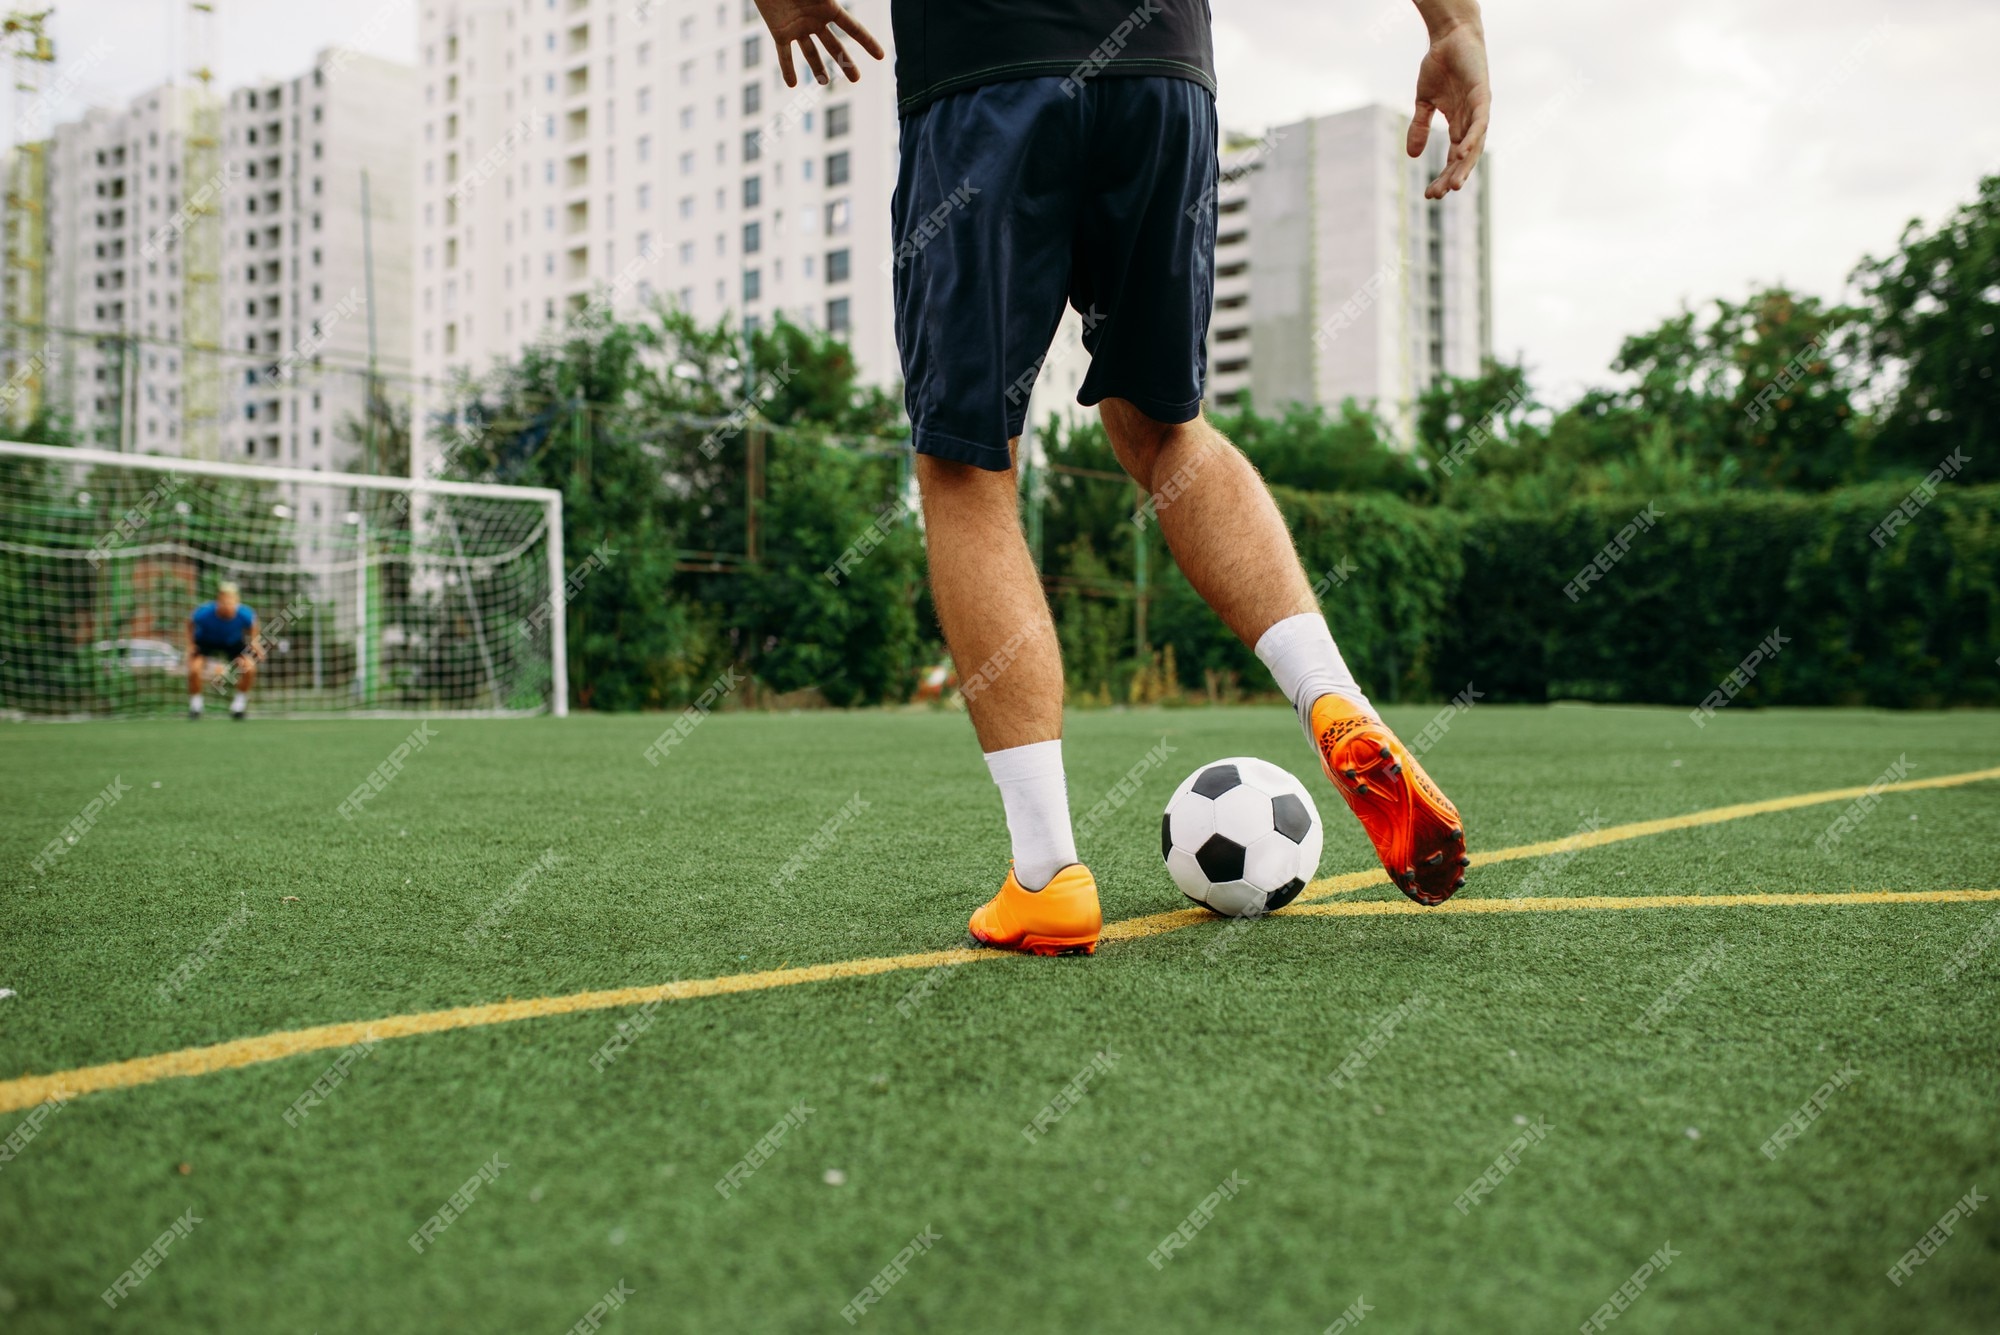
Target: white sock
{"x":236,"y":705}
{"x":1301,"y":654}
{"x":1037,"y":800}
{"x":194,"y":704}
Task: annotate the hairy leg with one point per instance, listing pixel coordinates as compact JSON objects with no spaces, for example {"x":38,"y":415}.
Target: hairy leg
{"x":990,"y":602}
{"x":1217,"y":516}
{"x":246,"y":673}
{"x":197,"y":669}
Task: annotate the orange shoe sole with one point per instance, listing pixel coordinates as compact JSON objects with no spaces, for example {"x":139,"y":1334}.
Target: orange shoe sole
{"x":1415,"y":828}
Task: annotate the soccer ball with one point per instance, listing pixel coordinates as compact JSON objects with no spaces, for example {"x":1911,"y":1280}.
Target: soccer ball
{"x":1241,"y":837}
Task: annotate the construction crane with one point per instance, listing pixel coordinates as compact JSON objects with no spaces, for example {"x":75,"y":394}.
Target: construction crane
{"x":201,"y":244}
{"x":23,"y":299}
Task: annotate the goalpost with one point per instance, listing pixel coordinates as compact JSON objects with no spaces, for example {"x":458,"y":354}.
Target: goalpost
{"x":372,"y":594}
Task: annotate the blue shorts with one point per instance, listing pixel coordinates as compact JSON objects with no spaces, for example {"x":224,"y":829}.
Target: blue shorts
{"x":1015,"y":197}
{"x":228,"y":653}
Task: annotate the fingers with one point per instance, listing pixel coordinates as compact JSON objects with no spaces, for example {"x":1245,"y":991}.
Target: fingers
{"x":813,"y":58}
{"x":839,"y":54}
{"x":859,"y":33}
{"x":785,"y":65}
{"x":1420,"y":128}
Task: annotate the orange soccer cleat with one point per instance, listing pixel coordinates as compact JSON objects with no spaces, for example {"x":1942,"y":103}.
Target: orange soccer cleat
{"x":1061,"y":918}
{"x":1416,"y":830}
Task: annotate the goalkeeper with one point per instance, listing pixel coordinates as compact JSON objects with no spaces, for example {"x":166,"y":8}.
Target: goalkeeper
{"x":224,"y":630}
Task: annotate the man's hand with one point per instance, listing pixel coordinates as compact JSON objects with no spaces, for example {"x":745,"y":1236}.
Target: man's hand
{"x":1452,"y":80}
{"x":803,"y":21}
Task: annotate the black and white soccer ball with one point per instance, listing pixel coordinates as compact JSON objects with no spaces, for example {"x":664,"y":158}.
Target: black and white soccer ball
{"x":1241,"y":837}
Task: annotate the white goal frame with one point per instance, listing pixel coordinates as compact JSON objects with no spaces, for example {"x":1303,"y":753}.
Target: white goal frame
{"x":550,"y":500}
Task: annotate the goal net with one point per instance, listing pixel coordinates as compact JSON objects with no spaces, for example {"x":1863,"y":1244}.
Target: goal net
{"x":372,"y":594}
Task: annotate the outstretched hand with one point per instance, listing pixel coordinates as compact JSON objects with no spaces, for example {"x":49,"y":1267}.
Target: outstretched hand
{"x":1453,"y":80}
{"x":807,"y":22}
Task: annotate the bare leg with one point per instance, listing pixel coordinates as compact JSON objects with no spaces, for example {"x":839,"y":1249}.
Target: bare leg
{"x":197,"y":670}
{"x":989,"y":599}
{"x":1217,"y":516}
{"x":246,"y":673}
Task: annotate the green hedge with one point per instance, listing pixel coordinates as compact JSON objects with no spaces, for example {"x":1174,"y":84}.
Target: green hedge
{"x":1436,"y":599}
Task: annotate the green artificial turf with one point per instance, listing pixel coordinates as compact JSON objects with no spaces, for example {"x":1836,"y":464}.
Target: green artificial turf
{"x":1217,"y":1048}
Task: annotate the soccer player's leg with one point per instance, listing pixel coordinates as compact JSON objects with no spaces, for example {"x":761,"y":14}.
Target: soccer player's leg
{"x":197,"y":666}
{"x":1148,"y":245}
{"x":982,"y":216}
{"x":244,"y":665}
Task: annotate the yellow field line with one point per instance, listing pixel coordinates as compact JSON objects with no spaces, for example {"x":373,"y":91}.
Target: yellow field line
{"x":28,"y":1090}
{"x":1379,"y":908}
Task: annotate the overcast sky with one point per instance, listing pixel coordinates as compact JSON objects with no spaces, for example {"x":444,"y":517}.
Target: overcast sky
{"x":1645,"y":154}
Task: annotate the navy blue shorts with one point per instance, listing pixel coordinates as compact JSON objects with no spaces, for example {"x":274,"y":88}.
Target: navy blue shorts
{"x":1015,"y":197}
{"x":228,"y":653}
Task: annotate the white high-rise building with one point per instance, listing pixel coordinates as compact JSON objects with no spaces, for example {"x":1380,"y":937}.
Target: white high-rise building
{"x":293,"y":282}
{"x":310,"y":265}
{"x":638,"y":151}
{"x":1337,"y":279}
{"x":114,"y":179}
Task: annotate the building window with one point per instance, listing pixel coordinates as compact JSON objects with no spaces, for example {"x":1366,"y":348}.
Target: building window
{"x":837,"y":168}
{"x":753,"y":48}
{"x":838,"y":320}
{"x":836,"y":266}
{"x":753,"y":145}
{"x":753,"y":238}
{"x":753,"y":192}
{"x":836,"y":121}
{"x":838,"y":214}
{"x":753,"y":98}
{"x":645,"y":148}
{"x":753,"y":284}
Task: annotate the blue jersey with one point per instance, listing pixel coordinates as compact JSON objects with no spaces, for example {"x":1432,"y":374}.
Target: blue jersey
{"x":211,"y":627}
